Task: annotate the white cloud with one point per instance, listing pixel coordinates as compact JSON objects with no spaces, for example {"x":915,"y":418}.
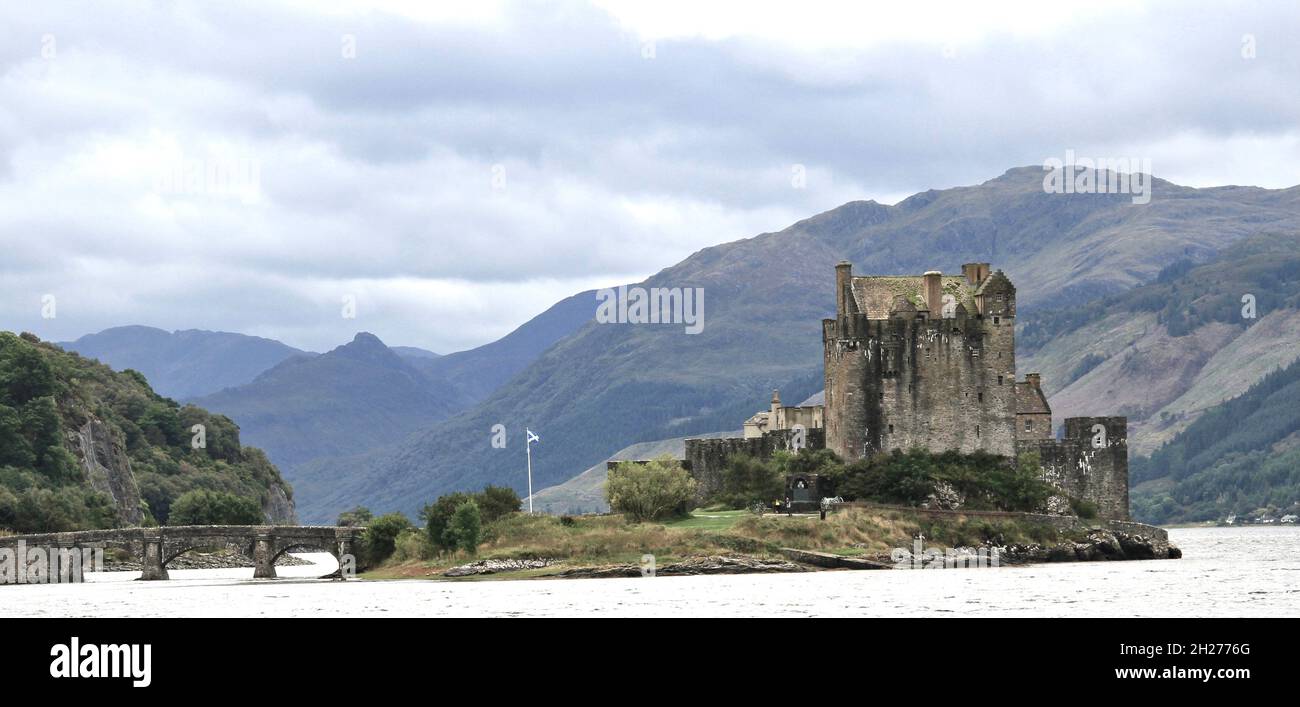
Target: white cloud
{"x":474,"y":163}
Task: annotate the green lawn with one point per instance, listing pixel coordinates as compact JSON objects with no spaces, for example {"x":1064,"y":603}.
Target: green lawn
{"x":708,"y":520}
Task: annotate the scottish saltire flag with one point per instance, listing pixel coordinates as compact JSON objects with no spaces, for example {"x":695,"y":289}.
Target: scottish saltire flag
{"x":532,"y":437}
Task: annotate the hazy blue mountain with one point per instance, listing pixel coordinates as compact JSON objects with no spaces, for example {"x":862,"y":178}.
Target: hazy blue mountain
{"x":354,"y":398}
{"x":414,"y":352}
{"x":606,"y":386}
{"x":480,"y":371}
{"x":184,"y":364}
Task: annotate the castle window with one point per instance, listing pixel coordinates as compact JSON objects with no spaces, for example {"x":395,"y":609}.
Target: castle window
{"x":1029,"y":425}
{"x":996,"y":320}
{"x":999,"y":380}
{"x":981,"y":397}
{"x":891,"y":429}
{"x":977,"y":430}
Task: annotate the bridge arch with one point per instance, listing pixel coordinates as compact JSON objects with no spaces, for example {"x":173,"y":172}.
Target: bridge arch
{"x":156,"y":547}
{"x":173,"y":549}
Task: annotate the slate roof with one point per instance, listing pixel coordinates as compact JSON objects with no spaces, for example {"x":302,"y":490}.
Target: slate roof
{"x":874,"y":294}
{"x":1030,"y":400}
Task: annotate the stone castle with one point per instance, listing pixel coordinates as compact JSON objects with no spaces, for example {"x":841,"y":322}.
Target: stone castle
{"x":929,"y":361}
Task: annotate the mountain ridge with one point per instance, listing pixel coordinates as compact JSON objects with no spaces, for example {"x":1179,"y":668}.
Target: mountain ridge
{"x":606,"y":386}
{"x":184,"y":363}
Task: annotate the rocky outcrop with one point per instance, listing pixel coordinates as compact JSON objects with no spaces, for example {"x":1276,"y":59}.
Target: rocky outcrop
{"x":495,"y":566}
{"x":106,"y":468}
{"x":832,"y":561}
{"x":1057,"y":505}
{"x":277,"y":507}
{"x":688,"y":567}
{"x":944,"y":498}
{"x":1098,"y":545}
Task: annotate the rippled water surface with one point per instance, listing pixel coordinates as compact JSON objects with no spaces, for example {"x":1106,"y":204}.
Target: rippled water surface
{"x":1224,"y":572}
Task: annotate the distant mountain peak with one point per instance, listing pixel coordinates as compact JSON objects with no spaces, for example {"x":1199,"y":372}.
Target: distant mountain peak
{"x":366,"y":338}
{"x":368,"y":348}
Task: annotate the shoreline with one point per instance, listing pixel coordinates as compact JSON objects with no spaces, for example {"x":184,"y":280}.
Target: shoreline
{"x":734,"y":542}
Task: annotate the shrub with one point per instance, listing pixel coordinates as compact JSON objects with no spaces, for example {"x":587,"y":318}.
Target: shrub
{"x":437,"y":517}
{"x":359,"y":516}
{"x":497,"y":501}
{"x":1084,"y":509}
{"x":746,"y":481}
{"x":494,"y":503}
{"x":651,"y":491}
{"x":412,"y":544}
{"x":381,"y":537}
{"x":985,"y":481}
{"x":203,"y":507}
{"x":465,"y":528}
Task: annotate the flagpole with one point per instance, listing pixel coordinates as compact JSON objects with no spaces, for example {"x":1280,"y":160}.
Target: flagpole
{"x":528,"y":449}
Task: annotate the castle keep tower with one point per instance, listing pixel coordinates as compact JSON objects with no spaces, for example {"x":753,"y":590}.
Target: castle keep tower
{"x":921,"y":361}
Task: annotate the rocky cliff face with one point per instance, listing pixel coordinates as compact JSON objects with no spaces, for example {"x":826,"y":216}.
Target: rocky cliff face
{"x":277,"y":507}
{"x":106,"y":468}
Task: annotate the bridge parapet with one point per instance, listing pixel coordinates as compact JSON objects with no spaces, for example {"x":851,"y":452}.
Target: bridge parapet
{"x":155,"y":547}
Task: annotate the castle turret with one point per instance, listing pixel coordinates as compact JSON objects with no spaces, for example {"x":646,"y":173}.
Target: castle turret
{"x":932,"y":284}
{"x":975,"y":273}
{"x":843,"y":281}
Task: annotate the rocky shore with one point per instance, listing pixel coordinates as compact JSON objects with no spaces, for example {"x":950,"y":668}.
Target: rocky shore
{"x":688,"y":567}
{"x":1097,"y":545}
{"x":495,"y":566}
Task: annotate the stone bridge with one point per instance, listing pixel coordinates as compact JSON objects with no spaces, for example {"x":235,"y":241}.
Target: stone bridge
{"x":155,"y":547}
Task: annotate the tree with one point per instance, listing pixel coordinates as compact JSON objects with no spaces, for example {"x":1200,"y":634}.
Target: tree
{"x":15,"y":449}
{"x":497,"y":501}
{"x":650,"y":491}
{"x":41,"y":426}
{"x":24,"y":373}
{"x":437,"y":516}
{"x":203,"y":507}
{"x":381,"y":536}
{"x":358,"y":516}
{"x":466,"y":527}
{"x":494,"y":502}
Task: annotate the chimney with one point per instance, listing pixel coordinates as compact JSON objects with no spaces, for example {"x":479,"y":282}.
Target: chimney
{"x":1034,"y":379}
{"x":934,"y":293}
{"x":843,"y":276}
{"x":975,"y":273}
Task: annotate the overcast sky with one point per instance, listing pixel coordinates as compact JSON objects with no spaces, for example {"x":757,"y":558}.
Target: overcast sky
{"x":458,"y":170}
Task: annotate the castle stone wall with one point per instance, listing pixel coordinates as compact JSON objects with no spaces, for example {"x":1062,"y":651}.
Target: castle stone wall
{"x":707,"y":458}
{"x":1088,"y":465}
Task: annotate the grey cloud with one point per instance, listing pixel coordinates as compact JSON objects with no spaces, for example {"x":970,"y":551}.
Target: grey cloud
{"x":380,"y":168}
